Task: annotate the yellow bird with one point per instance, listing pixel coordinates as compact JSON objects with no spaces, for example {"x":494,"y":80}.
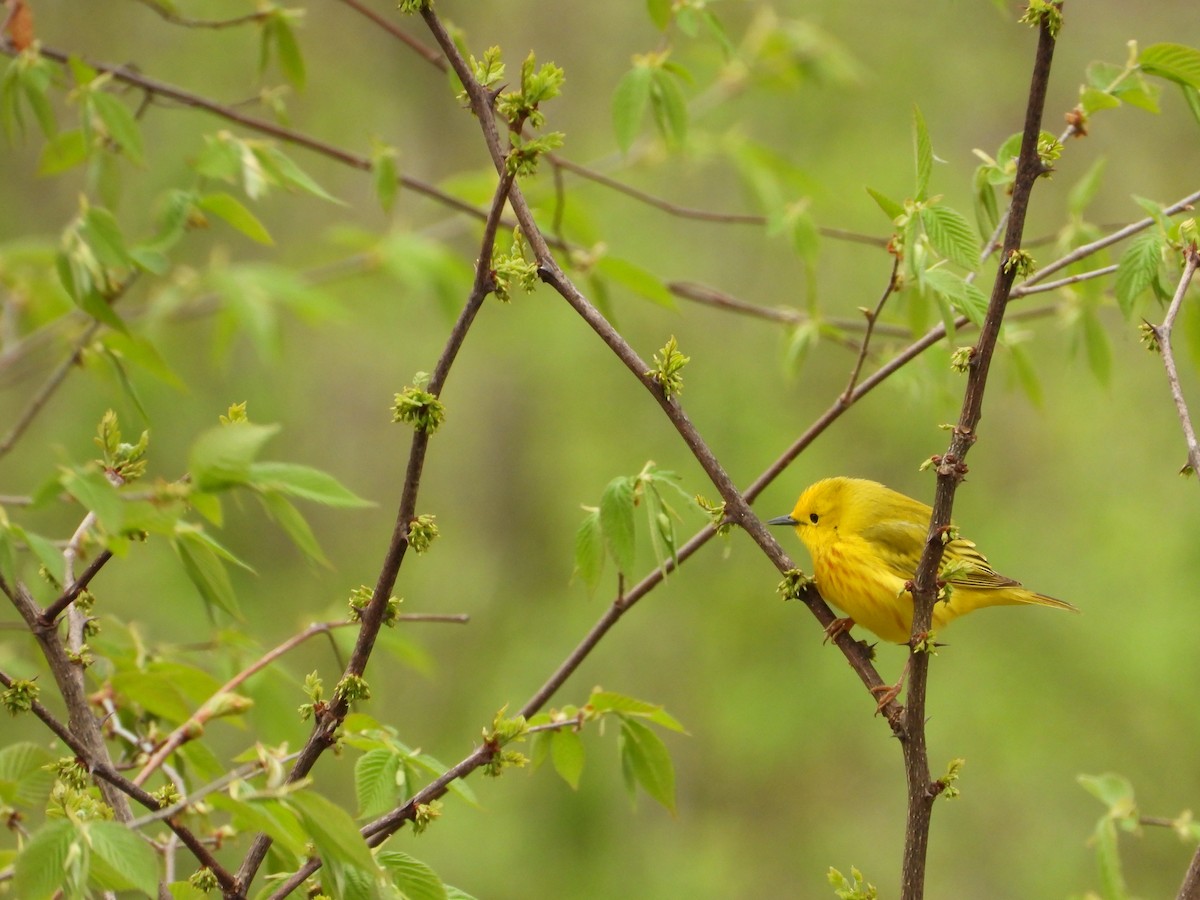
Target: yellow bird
{"x":866,"y":541}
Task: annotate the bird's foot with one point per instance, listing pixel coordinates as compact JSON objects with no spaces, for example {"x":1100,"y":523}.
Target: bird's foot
{"x":837,"y":628}
{"x":889,"y":692}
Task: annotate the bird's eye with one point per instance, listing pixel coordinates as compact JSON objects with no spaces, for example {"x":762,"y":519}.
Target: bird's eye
{"x":813,"y":517}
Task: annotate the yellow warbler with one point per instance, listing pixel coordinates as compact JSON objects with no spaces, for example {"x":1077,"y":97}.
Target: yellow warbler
{"x":866,"y":541}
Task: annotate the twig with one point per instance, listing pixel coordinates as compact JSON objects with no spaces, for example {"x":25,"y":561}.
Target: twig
{"x":1191,"y":259}
{"x":77,"y":587}
{"x":195,"y":723}
{"x":324,"y":731}
{"x":872,"y":317}
{"x":951,"y":468}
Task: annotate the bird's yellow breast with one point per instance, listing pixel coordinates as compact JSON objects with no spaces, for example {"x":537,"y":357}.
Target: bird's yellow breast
{"x":852,"y":578}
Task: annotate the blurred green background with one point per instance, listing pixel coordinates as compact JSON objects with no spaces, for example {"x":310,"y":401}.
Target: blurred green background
{"x":785,"y":772}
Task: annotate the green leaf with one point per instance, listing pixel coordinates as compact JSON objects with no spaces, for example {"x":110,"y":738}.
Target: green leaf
{"x":923,"y":150}
{"x":1114,"y":791}
{"x":385,"y":177}
{"x":269,"y":815}
{"x":1175,"y":62}
{"x":99,"y":229}
{"x":97,"y":494}
{"x":291,"y":61}
{"x":1191,"y":96}
{"x":294,"y":525}
{"x":121,"y":860}
{"x":964,"y":297}
{"x":669,"y":106}
{"x":375,"y":782}
{"x":221,"y":457}
{"x":646,"y":762}
{"x":44,"y":549}
{"x":566,"y":752}
{"x":337,"y":839}
{"x":891,"y":208}
{"x":1084,"y":190}
{"x":206,"y":571}
{"x":660,"y":13}
{"x":24,"y":780}
{"x":629,"y":105}
{"x":608,"y":701}
{"x":304,"y":482}
{"x":1095,"y":342}
{"x":951,"y":235}
{"x":230,"y":209}
{"x":1138,"y":268}
{"x":415,"y":880}
{"x":42,"y":866}
{"x":636,"y":279}
{"x":64,"y":151}
{"x":291,"y":175}
{"x":616,"y":520}
{"x":120,"y":124}
{"x":589,"y":550}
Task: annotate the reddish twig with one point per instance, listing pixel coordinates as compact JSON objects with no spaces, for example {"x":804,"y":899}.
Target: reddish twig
{"x":1162,"y":333}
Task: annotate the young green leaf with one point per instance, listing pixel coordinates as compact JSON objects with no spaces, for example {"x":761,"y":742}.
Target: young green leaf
{"x":221,"y":457}
{"x":375,"y":782}
{"x":228,"y":208}
{"x":669,"y":106}
{"x":119,"y":123}
{"x":609,"y":701}
{"x":891,"y":208}
{"x":121,"y":860}
{"x":616,"y":520}
{"x":1175,"y":62}
{"x":414,"y":879}
{"x":646,"y":762}
{"x":1138,"y":268}
{"x":589,"y":549}
{"x":923,"y":150}
{"x":206,"y":571}
{"x":294,"y":525}
{"x":304,"y":482}
{"x":566,"y":752}
{"x":41,"y":868}
{"x":636,"y":279}
{"x":629,"y":103}
{"x":64,"y":151}
{"x":951,"y":235}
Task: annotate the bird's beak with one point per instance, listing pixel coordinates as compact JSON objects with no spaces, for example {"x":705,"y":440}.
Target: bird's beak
{"x":782,"y":520}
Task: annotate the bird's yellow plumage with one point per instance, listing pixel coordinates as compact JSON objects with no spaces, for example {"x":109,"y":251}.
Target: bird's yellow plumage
{"x":866,"y":541}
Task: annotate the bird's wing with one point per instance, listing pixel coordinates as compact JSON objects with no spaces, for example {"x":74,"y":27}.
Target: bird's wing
{"x":897,"y":543}
{"x":970,"y":568}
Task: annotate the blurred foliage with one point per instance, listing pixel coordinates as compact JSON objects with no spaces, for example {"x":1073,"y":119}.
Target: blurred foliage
{"x":287,"y":234}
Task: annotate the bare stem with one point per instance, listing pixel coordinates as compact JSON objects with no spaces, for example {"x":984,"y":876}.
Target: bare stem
{"x":1163,"y":332}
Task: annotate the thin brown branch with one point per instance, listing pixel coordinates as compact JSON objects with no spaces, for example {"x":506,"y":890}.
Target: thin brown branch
{"x":718,"y":299}
{"x":1190,"y":889}
{"x":324,"y":731}
{"x":430,"y":56}
{"x":78,"y":586}
{"x":1163,"y":332}
{"x":1086,"y":250}
{"x":951,"y":468}
{"x":872,"y":317}
{"x":196,"y":722}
